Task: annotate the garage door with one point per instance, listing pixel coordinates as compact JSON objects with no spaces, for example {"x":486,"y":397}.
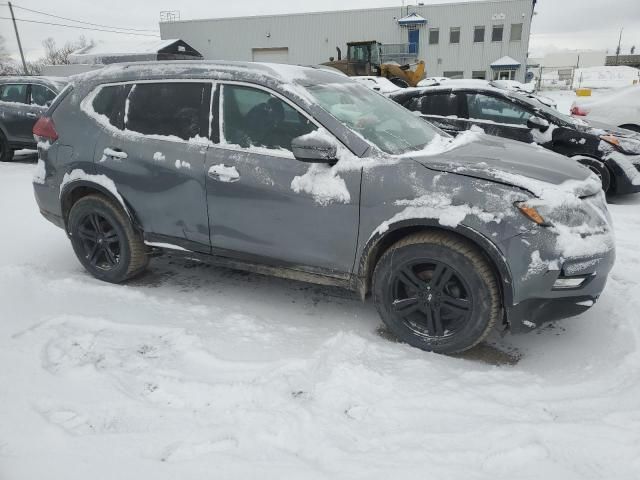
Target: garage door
{"x":271,"y":55}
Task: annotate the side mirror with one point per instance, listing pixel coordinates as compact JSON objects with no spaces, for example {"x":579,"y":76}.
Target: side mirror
{"x":314,"y":148}
{"x":538,"y":123}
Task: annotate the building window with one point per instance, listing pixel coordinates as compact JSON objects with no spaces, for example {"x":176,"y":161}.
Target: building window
{"x":454,"y":35}
{"x":434,"y":36}
{"x":453,"y":75}
{"x":516,"y":32}
{"x":478,"y":34}
{"x":504,"y":75}
{"x":479,"y":74}
{"x":496,"y":33}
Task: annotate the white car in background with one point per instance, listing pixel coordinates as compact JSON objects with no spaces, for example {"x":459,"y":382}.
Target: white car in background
{"x":431,"y":81}
{"x":620,"y":107}
{"x":379,"y":84}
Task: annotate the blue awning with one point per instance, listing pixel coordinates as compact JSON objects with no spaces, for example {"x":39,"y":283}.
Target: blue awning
{"x":412,"y":19}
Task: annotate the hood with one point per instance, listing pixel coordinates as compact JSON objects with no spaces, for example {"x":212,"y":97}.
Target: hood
{"x":518,"y":164}
{"x":600,"y":128}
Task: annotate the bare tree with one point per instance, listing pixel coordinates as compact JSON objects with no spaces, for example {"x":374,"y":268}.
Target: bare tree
{"x":54,"y":55}
{"x":7,"y":65}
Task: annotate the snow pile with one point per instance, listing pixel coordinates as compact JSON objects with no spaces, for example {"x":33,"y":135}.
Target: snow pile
{"x":323,"y":183}
{"x":437,"y":206}
{"x":40,"y":172}
{"x":605,"y":77}
{"x":537,"y":265}
{"x":182,"y":164}
{"x":223,"y":173}
{"x":103,"y":180}
{"x":159,"y":157}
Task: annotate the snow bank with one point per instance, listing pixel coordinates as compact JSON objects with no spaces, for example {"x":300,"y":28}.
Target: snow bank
{"x":605,"y":77}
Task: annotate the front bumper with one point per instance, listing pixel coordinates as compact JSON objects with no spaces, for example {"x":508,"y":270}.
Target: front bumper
{"x":538,"y":298}
{"x":626,"y":172}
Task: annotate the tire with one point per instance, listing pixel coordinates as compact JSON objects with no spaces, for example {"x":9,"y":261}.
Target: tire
{"x":6,"y":152}
{"x":105,"y":241}
{"x":599,"y":168}
{"x":464,"y":296}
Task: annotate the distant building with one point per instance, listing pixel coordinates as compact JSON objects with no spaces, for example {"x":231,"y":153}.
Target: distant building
{"x":455,"y":39}
{"x":624,"y":60}
{"x":577,"y":59}
{"x":100,"y":54}
{"x":105,"y":53}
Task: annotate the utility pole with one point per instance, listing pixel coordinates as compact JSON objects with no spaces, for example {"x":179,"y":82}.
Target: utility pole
{"x":619,"y":43}
{"x":15,"y":27}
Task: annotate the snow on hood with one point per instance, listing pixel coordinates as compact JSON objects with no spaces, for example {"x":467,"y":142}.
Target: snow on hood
{"x":529,"y":167}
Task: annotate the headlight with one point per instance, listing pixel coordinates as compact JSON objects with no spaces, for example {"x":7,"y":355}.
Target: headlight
{"x":547,"y":216}
{"x":625,"y":145}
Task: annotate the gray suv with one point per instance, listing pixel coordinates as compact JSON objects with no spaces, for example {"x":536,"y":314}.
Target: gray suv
{"x":22,"y":101}
{"x":305,"y":174}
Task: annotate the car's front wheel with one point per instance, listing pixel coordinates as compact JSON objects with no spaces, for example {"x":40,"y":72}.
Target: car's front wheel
{"x":105,"y":241}
{"x":436,"y":291}
{"x":6,"y":152}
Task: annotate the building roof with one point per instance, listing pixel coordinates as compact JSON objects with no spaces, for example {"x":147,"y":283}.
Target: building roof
{"x":505,"y":61}
{"x":141,"y":50}
{"x":412,"y":19}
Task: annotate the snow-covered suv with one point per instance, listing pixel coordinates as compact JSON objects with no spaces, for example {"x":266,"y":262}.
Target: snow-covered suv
{"x":302,"y":173}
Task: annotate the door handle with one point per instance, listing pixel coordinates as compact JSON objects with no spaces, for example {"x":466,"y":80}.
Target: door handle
{"x":32,"y":115}
{"x":115,"y":153}
{"x":223,"y":173}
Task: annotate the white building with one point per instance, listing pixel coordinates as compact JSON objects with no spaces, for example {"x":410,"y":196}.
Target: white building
{"x":455,"y":40}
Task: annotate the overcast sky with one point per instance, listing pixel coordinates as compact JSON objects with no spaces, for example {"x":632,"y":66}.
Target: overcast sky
{"x":558,"y":25}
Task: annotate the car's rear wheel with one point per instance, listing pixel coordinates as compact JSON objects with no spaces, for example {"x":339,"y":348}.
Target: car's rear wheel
{"x":599,"y":168}
{"x":436,"y":291}
{"x":105,"y":241}
{"x":6,"y":152}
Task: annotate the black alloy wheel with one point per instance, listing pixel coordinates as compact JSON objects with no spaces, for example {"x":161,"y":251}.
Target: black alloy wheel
{"x":431,"y":298}
{"x":100,"y":241}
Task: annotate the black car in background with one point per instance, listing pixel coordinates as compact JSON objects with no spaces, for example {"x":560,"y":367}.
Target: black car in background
{"x":22,"y":101}
{"x":611,"y":152}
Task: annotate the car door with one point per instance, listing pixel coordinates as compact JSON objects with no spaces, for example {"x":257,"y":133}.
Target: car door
{"x":154,"y":149}
{"x":255,"y":211}
{"x":498,"y":116}
{"x":442,"y":108}
{"x":15,"y":114}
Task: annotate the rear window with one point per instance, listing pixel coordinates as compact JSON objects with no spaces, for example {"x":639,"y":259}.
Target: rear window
{"x":442,"y":104}
{"x":110,"y":102}
{"x":14,"y":92}
{"x":178,"y":109}
{"x":41,"y":95}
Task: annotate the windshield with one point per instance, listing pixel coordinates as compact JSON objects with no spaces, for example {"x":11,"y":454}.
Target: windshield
{"x":381,"y":121}
{"x":550,"y":111}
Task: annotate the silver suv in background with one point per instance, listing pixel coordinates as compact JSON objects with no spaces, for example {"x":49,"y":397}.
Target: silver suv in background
{"x":22,"y":101}
{"x":306,"y":174}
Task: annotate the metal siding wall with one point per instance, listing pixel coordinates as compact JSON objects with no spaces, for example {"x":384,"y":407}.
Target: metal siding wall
{"x":312,"y":38}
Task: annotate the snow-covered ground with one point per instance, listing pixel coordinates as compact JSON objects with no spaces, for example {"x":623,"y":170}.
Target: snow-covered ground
{"x":195,"y":372}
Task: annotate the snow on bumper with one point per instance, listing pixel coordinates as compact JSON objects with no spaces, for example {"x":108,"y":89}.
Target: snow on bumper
{"x":626,"y":169}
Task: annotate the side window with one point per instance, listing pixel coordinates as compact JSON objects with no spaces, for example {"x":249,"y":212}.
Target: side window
{"x":16,"y":93}
{"x":110,"y":102}
{"x":252,"y":117}
{"x":486,"y":107}
{"x":41,"y":95}
{"x":441,"y":104}
{"x":178,"y":109}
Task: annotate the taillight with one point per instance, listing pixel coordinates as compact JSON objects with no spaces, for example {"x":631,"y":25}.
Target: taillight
{"x":44,"y":129}
{"x":579,"y":111}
